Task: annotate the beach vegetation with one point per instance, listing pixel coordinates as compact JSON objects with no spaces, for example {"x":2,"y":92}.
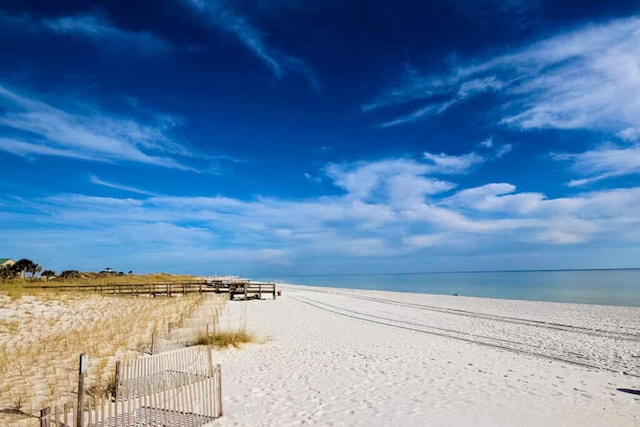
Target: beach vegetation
{"x":43,"y":333}
{"x":224,"y":339}
{"x":25,"y":266}
{"x":48,"y":274}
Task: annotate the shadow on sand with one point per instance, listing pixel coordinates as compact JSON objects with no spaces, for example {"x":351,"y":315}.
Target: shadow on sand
{"x":629,"y":390}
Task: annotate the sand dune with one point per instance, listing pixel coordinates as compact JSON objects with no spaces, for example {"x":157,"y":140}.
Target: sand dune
{"x":41,"y":337}
{"x":346,"y":357}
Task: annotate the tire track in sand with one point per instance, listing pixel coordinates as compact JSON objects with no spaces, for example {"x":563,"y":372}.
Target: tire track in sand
{"x":492,"y":342}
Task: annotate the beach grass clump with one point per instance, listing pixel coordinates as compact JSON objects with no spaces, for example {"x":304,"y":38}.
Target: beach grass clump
{"x":224,"y":339}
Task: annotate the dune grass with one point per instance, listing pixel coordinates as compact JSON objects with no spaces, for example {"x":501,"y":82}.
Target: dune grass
{"x":43,"y":331}
{"x":224,"y":339}
{"x":42,"y":335}
{"x":16,"y":288}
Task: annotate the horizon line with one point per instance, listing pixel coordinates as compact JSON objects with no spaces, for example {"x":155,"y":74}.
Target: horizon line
{"x":460,"y":272}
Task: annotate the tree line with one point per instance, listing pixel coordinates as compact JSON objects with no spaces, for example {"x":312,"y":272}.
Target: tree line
{"x":26,"y":268}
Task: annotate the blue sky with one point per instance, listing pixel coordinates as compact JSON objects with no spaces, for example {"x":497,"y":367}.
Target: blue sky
{"x":275,"y":137}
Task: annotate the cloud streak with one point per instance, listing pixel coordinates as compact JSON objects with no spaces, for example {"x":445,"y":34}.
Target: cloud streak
{"x":130,"y":189}
{"x":602,"y":163}
{"x":280,"y":63}
{"x":99,"y":29}
{"x":31,"y":127}
{"x":105,"y":34}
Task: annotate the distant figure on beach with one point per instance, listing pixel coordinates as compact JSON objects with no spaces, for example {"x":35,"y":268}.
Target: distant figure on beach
{"x":455,"y":295}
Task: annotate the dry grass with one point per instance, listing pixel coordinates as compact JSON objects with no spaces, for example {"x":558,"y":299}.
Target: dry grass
{"x":225,"y":339}
{"x":17,"y":288}
{"x":43,"y":333}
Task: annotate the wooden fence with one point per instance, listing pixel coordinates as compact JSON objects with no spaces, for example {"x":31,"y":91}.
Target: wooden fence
{"x":231,"y":287}
{"x":177,"y":388}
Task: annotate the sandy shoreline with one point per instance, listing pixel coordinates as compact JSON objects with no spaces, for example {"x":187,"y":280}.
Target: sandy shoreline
{"x":355,"y":357}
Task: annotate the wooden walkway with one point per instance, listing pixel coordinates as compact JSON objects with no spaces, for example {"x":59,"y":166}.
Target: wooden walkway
{"x":243,"y":288}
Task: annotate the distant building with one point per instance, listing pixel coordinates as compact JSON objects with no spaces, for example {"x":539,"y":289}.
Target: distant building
{"x":6,"y":262}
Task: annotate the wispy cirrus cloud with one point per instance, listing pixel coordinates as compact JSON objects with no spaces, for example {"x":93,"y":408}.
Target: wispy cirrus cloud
{"x":602,"y":163}
{"x":128,"y":188}
{"x":448,"y":164}
{"x":504,"y":150}
{"x":587,"y":78}
{"x":223,"y":17}
{"x":98,"y":28}
{"x":32,"y":127}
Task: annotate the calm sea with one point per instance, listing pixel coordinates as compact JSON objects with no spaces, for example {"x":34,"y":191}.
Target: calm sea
{"x":610,"y":287}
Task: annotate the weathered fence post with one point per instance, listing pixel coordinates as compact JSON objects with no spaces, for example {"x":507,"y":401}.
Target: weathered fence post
{"x":116,"y":391}
{"x":82,"y":369}
{"x":212,"y":369}
{"x":45,"y":417}
{"x":219,"y":388}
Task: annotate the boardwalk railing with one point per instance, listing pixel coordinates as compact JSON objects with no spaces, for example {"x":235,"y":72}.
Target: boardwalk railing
{"x":232,"y":287}
{"x":177,"y":388}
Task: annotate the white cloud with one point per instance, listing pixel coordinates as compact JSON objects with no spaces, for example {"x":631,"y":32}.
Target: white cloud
{"x":588,"y":78}
{"x":487,"y":143}
{"x":596,"y":215}
{"x":100,"y":29}
{"x":280,"y":63}
{"x":34,"y":127}
{"x":390,"y":209}
{"x":496,"y":197}
{"x":414,"y":115}
{"x":602,"y":163}
{"x":396,"y":178}
{"x":421,"y":241}
{"x":504,"y":149}
{"x":312,"y":178}
{"x":446,"y":164}
{"x":629,"y":134}
{"x":95,"y":180}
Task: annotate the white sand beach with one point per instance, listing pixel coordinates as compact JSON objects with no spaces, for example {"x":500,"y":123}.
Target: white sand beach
{"x":372,"y":358}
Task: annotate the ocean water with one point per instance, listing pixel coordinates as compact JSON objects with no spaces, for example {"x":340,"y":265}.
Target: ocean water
{"x":609,"y":287}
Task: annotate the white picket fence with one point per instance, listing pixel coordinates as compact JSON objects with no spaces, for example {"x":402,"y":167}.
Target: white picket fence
{"x":176,"y":388}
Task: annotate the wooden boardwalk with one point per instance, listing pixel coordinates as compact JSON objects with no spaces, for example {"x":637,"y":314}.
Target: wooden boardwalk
{"x":234,"y":287}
